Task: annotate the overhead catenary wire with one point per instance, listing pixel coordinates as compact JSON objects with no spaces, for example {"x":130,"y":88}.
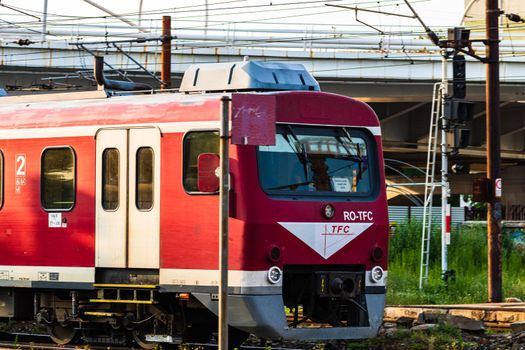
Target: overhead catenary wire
{"x":194,"y":8}
{"x":181,"y":48}
{"x":405,"y":46}
{"x":294,"y":15}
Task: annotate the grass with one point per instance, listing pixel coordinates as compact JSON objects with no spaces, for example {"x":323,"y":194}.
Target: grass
{"x":467,"y":255}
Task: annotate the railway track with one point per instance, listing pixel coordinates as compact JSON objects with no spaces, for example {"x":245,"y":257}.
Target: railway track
{"x":19,"y":340}
{"x":499,"y":316}
{"x":494,"y":315}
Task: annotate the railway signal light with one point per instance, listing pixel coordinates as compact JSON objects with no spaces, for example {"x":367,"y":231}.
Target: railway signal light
{"x":458,"y":111}
{"x":461,"y":168}
{"x":461,"y":138}
{"x":459,"y":83}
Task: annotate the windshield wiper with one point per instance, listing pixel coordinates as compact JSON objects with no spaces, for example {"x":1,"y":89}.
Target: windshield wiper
{"x":303,"y":156}
{"x":358,"y":151}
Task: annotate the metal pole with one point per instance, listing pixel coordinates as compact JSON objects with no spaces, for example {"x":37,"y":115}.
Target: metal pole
{"x":165,"y":73}
{"x":493,"y":152}
{"x":44,"y":22}
{"x":140,"y":12}
{"x":223,"y":222}
{"x":444,"y":167}
{"x":205,"y":17}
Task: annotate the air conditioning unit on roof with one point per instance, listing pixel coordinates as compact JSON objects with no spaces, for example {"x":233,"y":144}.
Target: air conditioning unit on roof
{"x":247,"y":76}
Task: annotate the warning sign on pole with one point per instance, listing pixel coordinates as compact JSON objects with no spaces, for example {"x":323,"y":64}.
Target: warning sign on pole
{"x":498,"y":187}
{"x":448,"y":224}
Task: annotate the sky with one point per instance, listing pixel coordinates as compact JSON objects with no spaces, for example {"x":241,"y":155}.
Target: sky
{"x":191,"y":14}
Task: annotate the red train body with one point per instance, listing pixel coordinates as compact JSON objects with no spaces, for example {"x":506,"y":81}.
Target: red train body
{"x":102,"y":221}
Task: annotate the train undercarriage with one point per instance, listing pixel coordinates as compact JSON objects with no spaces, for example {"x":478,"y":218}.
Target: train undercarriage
{"x":117,"y":315}
{"x":121,"y":314}
{"x":322,"y":302}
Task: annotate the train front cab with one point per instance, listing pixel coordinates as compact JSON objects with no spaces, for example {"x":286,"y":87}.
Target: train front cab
{"x":311,"y":213}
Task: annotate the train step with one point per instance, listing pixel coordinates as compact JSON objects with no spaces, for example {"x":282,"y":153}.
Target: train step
{"x":125,"y":293}
{"x":103,"y":314}
{"x":161,"y":338}
{"x":122,"y":301}
{"x":124,"y":286}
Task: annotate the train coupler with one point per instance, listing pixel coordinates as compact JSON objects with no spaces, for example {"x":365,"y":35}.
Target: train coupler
{"x":336,"y":284}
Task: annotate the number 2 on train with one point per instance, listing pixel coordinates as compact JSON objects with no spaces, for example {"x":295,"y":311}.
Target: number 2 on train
{"x":20,"y":165}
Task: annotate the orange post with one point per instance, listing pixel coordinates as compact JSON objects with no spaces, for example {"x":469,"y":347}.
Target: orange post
{"x":165,"y":73}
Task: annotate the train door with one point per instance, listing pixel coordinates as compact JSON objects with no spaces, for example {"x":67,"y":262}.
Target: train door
{"x":128,"y":198}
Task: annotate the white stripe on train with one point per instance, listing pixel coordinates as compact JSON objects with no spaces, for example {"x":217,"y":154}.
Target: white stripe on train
{"x":178,"y":277}
{"x":91,"y":130}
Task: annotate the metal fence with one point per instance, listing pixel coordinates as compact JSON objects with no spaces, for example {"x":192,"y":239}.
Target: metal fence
{"x":400,"y":214}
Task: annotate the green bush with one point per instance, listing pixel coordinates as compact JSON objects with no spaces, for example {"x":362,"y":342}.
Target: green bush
{"x":467,"y":256}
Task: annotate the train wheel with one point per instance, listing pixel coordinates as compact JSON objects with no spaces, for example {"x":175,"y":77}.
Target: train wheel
{"x":62,"y":335}
{"x":140,"y":338}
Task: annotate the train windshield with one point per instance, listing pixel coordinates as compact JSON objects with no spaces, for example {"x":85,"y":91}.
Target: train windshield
{"x":317,"y":161}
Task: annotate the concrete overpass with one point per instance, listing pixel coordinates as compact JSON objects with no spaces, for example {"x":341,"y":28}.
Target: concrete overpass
{"x":397,"y":82}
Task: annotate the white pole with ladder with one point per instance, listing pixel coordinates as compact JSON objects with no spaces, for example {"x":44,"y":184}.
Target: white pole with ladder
{"x":437,"y":115}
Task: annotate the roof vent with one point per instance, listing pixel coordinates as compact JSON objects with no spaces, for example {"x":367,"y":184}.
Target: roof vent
{"x":247,"y":76}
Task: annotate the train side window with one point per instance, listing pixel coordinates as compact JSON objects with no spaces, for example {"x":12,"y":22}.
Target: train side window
{"x":144,"y":179}
{"x":110,"y":179}
{"x":195,"y":143}
{"x":58,"y":179}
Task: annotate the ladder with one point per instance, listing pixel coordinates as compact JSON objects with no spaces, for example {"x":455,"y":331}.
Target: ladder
{"x":430,"y":181}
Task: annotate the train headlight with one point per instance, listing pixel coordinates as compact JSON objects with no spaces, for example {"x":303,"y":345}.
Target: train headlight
{"x":275,"y":275}
{"x":376,"y":274}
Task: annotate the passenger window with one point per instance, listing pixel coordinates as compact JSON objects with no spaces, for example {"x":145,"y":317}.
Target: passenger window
{"x":144,"y":181}
{"x":58,"y":179}
{"x":110,"y":179}
{"x":194,"y":144}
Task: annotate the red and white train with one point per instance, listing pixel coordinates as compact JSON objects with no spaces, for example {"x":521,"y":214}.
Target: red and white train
{"x":107,"y":229}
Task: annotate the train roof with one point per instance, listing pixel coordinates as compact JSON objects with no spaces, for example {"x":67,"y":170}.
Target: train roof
{"x":296,"y":98}
{"x":95,"y":108}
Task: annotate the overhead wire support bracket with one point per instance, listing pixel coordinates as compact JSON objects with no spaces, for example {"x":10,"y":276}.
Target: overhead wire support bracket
{"x":113,"y":43}
{"x":119,"y":72}
{"x":137,"y":63}
{"x":357,"y":9}
{"x":124,"y":41}
{"x":431,"y":34}
{"x":471,"y":53}
{"x":20,"y":11}
{"x":372,"y":11}
{"x":366,"y":24}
